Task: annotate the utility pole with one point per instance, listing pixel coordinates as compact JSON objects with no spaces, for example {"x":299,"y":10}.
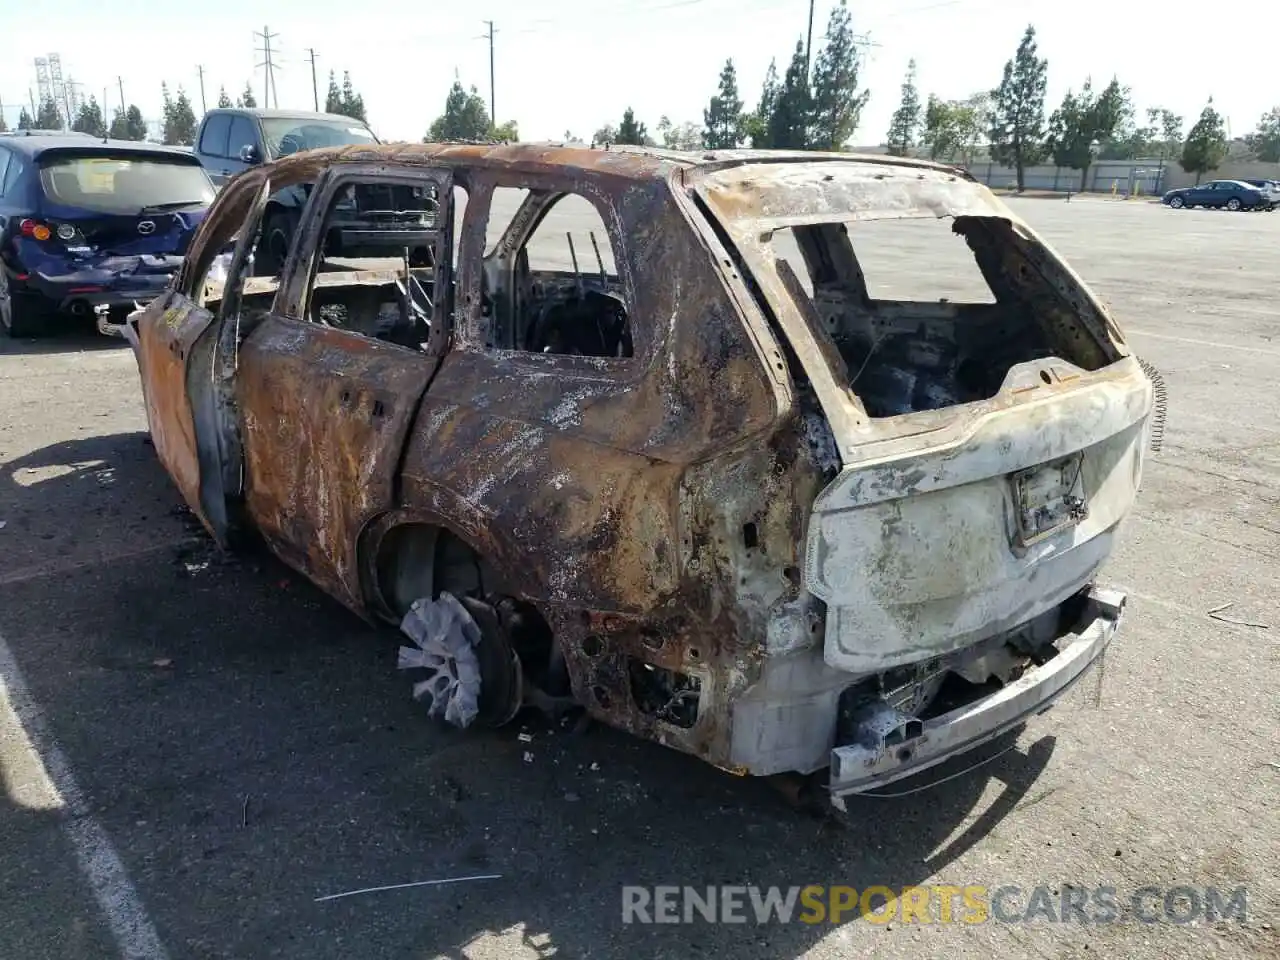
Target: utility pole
{"x":315,"y":90}
{"x":493,"y":111}
{"x":204,"y":105}
{"x":120,"y":84}
{"x":34,"y":112}
{"x":268,"y":68}
{"x":808,"y":44}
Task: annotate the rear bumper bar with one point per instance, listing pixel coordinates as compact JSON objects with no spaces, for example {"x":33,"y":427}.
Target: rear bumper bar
{"x":857,"y":768}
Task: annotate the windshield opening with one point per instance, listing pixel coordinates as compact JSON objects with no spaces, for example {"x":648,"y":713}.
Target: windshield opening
{"x":293,"y":135}
{"x":125,"y":184}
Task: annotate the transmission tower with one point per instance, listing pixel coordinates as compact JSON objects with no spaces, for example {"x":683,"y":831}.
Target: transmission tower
{"x":61,"y":96}
{"x":270,"y":97}
{"x":44,"y":87}
{"x":50,"y":85}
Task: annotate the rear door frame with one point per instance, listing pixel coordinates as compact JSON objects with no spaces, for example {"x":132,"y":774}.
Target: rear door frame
{"x":362,"y":397}
{"x":187,"y":358}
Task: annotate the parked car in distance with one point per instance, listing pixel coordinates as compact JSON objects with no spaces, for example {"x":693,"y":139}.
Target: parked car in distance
{"x":1220,"y":194}
{"x":1270,"y":187}
{"x":87,"y":222}
{"x":233,"y":139}
{"x":797,"y":462}
{"x":29,"y":132}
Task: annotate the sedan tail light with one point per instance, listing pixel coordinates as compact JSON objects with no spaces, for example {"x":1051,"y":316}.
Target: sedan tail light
{"x":34,"y":229}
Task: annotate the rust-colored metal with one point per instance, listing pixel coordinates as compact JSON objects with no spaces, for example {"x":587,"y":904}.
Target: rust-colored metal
{"x":163,"y":356}
{"x":653,"y":508}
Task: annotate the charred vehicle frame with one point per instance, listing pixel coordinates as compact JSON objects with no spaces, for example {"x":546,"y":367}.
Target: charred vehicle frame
{"x":725,"y":499}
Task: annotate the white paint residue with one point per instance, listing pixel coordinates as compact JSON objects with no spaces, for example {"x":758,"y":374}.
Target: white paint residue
{"x":438,"y":418}
{"x":36,"y":771}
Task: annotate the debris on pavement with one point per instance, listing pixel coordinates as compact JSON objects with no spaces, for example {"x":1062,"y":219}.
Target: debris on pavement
{"x":1216,"y":614}
{"x":405,"y":886}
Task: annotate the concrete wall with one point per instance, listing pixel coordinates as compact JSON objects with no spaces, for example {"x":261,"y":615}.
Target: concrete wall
{"x":1148,"y":177}
{"x":1232,"y":170}
{"x":1125,"y":176}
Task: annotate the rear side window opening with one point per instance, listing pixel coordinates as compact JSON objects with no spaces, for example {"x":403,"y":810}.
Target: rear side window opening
{"x":927,"y":313}
{"x":125,"y":185}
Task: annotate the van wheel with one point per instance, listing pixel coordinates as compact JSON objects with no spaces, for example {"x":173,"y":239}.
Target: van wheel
{"x":273,"y":248}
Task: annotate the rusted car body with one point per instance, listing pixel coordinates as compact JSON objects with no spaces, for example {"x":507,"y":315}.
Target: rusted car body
{"x":769,"y":520}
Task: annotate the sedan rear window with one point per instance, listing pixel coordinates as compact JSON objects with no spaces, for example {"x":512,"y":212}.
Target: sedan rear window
{"x":124,"y":184}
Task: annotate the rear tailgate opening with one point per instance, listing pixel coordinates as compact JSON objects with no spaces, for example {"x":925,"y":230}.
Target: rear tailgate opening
{"x":989,"y":423}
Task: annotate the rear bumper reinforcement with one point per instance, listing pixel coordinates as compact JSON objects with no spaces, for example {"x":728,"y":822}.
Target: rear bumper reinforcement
{"x":857,"y":769}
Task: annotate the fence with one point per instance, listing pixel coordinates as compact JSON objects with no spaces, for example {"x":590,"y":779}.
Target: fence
{"x":1142,"y":177}
{"x":1125,"y":177}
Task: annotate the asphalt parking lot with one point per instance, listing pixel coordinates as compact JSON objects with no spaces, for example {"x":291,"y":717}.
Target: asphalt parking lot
{"x":196,"y":748}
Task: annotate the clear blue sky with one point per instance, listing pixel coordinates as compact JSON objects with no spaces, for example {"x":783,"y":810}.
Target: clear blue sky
{"x":576,"y":64}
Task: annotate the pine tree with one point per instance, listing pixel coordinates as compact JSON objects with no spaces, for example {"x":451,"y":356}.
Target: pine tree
{"x":1206,"y":145}
{"x":89,"y":119}
{"x":223,"y":100}
{"x":246,"y":99}
{"x":352,"y":102}
{"x":465,"y":117}
{"x":179,"y":126}
{"x":1017,"y":116}
{"x":837,"y":102}
{"x":631,"y":132}
{"x":48,"y":118}
{"x":4,"y":127}
{"x":25,"y":120}
{"x":906,"y":119}
{"x":722,"y":119}
{"x":789,"y":123}
{"x":756,"y":124}
{"x":333,"y":98}
{"x":119,"y":129}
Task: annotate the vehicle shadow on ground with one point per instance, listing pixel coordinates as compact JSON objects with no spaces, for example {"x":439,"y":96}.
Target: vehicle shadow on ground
{"x":77,"y":336}
{"x":250,"y":748}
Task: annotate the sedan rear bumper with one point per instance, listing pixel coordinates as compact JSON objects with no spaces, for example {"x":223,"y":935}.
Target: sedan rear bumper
{"x":117,"y":283}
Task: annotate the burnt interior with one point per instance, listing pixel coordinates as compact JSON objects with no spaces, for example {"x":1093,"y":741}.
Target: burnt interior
{"x":903,"y":353}
{"x":566,"y":298}
{"x":390,"y":235}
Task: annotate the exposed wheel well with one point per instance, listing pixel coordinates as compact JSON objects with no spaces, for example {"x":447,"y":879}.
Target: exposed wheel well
{"x":416,"y":560}
{"x":420,"y":560}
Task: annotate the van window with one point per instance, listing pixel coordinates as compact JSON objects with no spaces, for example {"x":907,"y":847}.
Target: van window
{"x":213,"y":138}
{"x":243,"y":134}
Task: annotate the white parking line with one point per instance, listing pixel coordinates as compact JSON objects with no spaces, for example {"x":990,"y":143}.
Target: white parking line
{"x":43,"y":775}
{"x":1247,"y":348}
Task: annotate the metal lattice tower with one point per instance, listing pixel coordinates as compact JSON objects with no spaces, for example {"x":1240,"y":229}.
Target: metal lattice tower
{"x":44,"y":88}
{"x":51,"y":86}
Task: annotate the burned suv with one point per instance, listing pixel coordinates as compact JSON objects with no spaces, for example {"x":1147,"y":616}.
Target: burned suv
{"x":719,"y":447}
